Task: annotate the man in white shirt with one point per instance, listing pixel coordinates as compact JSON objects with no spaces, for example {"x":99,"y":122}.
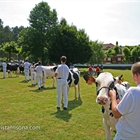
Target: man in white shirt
{"x":39,"y":75}
{"x":128,"y":109}
{"x":26,"y":70}
{"x":62,"y":73}
{"x":4,"y":68}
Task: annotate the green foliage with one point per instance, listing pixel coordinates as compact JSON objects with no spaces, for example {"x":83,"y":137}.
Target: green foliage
{"x":127,"y":54}
{"x":41,"y":19}
{"x":70,"y":42}
{"x":110,"y":52}
{"x":136,"y":53}
{"x":9,"y":48}
{"x":98,"y":54}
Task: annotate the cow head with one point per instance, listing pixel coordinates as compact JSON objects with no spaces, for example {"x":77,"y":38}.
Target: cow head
{"x":104,"y":82}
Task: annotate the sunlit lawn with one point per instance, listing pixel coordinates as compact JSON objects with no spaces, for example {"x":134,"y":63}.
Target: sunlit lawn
{"x":29,"y":114}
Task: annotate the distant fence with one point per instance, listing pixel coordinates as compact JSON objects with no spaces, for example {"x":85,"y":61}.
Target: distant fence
{"x":107,"y":66}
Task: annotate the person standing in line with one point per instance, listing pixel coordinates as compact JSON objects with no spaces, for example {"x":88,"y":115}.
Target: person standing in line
{"x":71,"y":66}
{"x":33,"y":74}
{"x":91,"y":70}
{"x":61,"y":74}
{"x":26,"y":70}
{"x":39,"y":74}
{"x":98,"y":70}
{"x":4,"y":68}
{"x":128,"y":109}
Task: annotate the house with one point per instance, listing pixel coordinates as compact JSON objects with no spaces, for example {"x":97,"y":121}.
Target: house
{"x":118,"y":59}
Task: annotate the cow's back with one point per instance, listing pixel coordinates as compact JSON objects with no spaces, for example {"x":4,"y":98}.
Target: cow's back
{"x":47,"y":71}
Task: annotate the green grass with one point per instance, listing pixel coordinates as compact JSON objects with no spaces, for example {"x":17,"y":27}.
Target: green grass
{"x":22,"y":105}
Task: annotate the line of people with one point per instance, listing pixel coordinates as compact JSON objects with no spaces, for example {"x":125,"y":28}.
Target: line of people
{"x":36,"y":72}
{"x":95,"y":71}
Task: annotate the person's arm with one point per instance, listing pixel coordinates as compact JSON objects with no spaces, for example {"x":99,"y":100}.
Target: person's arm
{"x":55,"y":74}
{"x":116,"y":113}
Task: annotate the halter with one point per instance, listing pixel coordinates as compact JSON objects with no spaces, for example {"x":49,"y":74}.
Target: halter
{"x":112,"y":86}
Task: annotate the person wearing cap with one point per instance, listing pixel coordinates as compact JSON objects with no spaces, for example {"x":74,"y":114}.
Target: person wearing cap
{"x":4,"y":68}
{"x":61,"y":74}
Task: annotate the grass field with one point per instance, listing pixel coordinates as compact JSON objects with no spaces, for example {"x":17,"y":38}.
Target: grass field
{"x":30,"y":114}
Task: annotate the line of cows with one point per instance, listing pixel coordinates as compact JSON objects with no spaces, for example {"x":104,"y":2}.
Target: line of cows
{"x":104,"y":82}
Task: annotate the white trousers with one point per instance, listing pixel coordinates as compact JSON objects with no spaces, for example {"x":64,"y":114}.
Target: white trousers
{"x":4,"y":73}
{"x":33,"y":78}
{"x":40,"y":81}
{"x":26,"y":74}
{"x":62,"y":87}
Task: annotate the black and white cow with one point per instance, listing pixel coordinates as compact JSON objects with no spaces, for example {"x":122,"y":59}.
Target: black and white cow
{"x":12,"y":68}
{"x":21,"y":68}
{"x":74,"y":81}
{"x":105,"y":82}
{"x":49,"y":71}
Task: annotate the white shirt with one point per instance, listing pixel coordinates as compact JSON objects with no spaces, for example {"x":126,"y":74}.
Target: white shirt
{"x":26,"y":65}
{"x":129,"y":124}
{"x":32,"y":69}
{"x":4,"y":65}
{"x":39,"y":70}
{"x":62,"y":71}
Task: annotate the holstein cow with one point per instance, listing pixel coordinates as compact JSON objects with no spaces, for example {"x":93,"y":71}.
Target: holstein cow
{"x":73,"y":80}
{"x":105,"y":82}
{"x":49,"y":71}
{"x":12,"y":68}
{"x":21,"y":68}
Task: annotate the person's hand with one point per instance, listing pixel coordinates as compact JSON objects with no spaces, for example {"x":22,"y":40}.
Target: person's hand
{"x":112,"y":93}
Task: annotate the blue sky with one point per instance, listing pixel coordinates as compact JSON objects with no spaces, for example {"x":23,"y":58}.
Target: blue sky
{"x":107,"y":21}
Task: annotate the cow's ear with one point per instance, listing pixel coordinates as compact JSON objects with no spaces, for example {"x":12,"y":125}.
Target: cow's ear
{"x":118,"y":79}
{"x":89,"y":79}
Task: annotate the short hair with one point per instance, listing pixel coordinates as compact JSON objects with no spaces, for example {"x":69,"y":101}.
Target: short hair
{"x":136,"y":68}
{"x":39,"y":62}
{"x":63,"y":58}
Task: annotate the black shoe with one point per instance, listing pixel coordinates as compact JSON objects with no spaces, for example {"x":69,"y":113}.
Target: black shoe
{"x":42,"y":87}
{"x":39,"y":88}
{"x":58,"y":107}
{"x":65,"y":108}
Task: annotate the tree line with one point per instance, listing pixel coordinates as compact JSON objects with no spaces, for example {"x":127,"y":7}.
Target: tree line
{"x":47,"y":39}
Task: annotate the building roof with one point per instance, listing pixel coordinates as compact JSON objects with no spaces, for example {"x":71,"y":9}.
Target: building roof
{"x":108,"y":46}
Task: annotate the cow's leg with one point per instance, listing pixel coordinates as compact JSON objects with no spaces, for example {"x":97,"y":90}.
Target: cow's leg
{"x":9,"y":73}
{"x":107,"y":130}
{"x":75,"y":88}
{"x":78,"y":90}
{"x":53,"y":81}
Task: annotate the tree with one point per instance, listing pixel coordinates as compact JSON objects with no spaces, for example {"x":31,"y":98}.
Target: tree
{"x":9,"y":48}
{"x":41,"y":19}
{"x":127,"y":54}
{"x":98,"y":54}
{"x":15,"y":32}
{"x":135,"y":52}
{"x":116,"y":51}
{"x":70,"y":42}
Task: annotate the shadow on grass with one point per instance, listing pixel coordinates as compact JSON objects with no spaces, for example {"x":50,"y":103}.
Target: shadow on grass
{"x":23,"y":81}
{"x":42,"y":89}
{"x":75,"y":103}
{"x":64,"y":114}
